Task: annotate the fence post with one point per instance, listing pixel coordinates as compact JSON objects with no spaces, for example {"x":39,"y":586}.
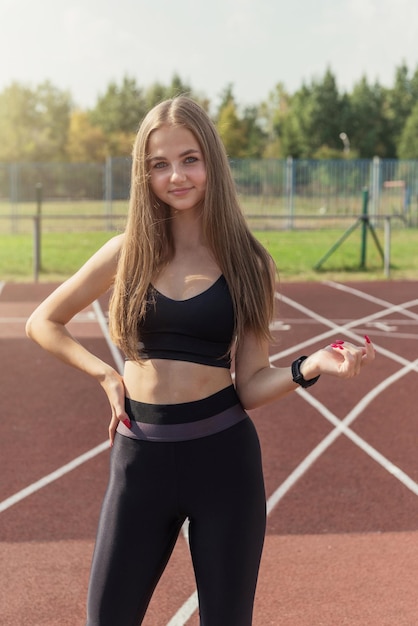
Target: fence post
{"x":14,"y":196}
{"x":108,"y":192}
{"x":387,"y":245}
{"x":289,"y":191}
{"x":37,"y":233}
{"x":364,"y":227}
{"x":375,"y":186}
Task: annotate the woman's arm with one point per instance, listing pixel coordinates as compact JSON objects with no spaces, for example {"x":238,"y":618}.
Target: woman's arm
{"x":47,"y":324}
{"x":258,"y":382}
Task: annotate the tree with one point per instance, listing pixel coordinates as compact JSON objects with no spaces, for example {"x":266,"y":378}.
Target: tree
{"x":120,"y":109}
{"x":158,"y":92}
{"x":400,"y":102}
{"x":294,"y":125}
{"x":17,"y":119}
{"x":272,"y":112}
{"x":232,"y":130}
{"x":53,"y":109}
{"x":326,"y":115}
{"x":33,"y":123}
{"x":255,"y":136}
{"x":367,"y":124}
{"x":86,"y":143}
{"x":408,"y":144}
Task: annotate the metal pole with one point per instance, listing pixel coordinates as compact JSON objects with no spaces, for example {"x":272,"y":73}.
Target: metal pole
{"x":364,"y":226}
{"x":289,"y":191}
{"x":387,"y":245}
{"x":108,"y":191}
{"x":37,"y":233}
{"x":36,"y":247}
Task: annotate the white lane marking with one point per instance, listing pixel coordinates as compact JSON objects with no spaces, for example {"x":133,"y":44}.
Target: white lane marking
{"x":101,"y":318}
{"x":65,"y":469}
{"x":279,"y":325}
{"x":387,"y":328}
{"x":365,"y":296}
{"x":341,"y":328}
{"x":59,"y":473}
{"x":185,"y":611}
{"x":342,"y":427}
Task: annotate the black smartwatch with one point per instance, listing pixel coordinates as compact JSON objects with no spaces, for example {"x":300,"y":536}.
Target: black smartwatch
{"x":298,"y":376}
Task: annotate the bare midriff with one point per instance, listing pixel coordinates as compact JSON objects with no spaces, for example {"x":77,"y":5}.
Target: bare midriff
{"x":160,"y":381}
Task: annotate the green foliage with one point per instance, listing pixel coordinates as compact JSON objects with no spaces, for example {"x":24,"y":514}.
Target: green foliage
{"x":401,"y":100}
{"x":368,"y":103}
{"x":41,"y":124}
{"x":408,"y":144}
{"x":33,"y":123}
{"x":231,"y":129}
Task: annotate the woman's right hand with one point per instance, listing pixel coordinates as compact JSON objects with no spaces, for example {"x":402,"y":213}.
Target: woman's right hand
{"x":114,"y":388}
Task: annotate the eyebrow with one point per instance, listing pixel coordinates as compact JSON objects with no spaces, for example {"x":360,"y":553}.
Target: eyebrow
{"x":182,"y":154}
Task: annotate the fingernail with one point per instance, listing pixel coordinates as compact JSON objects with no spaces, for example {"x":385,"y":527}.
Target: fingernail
{"x":127,"y":423}
{"x":367,"y":338}
{"x":337,"y":345}
{"x":339,"y":341}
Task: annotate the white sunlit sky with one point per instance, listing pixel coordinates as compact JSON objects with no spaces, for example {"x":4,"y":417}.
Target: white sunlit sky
{"x":83,"y":45}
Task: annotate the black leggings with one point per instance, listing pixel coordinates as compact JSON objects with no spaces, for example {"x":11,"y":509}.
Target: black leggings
{"x":216,"y":481}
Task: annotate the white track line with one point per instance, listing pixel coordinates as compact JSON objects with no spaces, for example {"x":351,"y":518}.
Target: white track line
{"x":101,"y":318}
{"x":365,"y":296}
{"x":46,"y":480}
{"x":342,"y":427}
{"x":342,"y":328}
{"x":185,"y":611}
{"x":83,"y":458}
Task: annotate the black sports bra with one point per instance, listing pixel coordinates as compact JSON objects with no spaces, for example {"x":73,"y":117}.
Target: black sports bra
{"x":199,"y":329}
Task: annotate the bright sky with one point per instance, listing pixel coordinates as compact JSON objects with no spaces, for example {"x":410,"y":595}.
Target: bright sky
{"x":82,"y":45}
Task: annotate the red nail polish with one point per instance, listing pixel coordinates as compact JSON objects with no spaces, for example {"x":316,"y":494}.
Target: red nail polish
{"x":337,"y":345}
{"x":367,"y":338}
{"x":339,"y":341}
{"x":127,"y":423}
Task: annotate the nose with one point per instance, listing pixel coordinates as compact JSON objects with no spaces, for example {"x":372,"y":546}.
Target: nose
{"x":177,"y":174}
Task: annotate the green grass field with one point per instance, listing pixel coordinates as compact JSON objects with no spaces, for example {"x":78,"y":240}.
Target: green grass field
{"x":295,"y":252}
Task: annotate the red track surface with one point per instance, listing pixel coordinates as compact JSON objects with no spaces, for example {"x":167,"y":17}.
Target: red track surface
{"x":342,"y":537}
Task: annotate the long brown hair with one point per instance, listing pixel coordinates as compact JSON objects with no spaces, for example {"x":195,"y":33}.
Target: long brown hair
{"x":148,"y":244}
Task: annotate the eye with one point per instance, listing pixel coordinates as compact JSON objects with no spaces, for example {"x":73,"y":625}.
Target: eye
{"x":159,"y":165}
{"x":190,"y":159}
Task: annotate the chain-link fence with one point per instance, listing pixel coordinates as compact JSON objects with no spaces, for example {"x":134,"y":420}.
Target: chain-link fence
{"x":286,"y":193}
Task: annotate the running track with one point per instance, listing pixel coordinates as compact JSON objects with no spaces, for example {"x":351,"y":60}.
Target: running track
{"x":341,"y":470}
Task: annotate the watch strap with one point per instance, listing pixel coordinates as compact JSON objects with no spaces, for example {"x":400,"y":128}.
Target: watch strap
{"x":298,"y":376}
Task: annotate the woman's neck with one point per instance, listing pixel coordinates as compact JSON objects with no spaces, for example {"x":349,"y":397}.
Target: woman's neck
{"x":187,"y":230}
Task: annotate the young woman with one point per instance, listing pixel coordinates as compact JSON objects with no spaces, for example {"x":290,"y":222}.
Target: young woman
{"x":192,"y":291}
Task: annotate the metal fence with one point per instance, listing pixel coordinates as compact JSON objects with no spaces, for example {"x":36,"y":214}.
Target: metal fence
{"x":288,"y":193}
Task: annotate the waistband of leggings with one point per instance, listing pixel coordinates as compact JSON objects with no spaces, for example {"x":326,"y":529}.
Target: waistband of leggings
{"x":185,"y":421}
{"x":182,"y":412}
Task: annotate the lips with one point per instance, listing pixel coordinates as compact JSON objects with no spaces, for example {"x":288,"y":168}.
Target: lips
{"x":180,"y":191}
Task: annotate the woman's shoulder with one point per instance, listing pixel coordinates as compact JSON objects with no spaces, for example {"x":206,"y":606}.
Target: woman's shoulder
{"x":110,"y":250}
{"x":105,"y":260}
{"x":115,"y":243}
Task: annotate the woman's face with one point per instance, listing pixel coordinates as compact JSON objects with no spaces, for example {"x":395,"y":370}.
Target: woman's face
{"x":177,"y":168}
